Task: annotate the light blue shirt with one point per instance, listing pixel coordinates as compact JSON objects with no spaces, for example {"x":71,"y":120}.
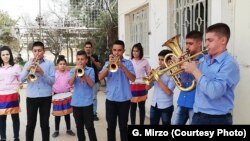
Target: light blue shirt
{"x":42,"y":87}
{"x":159,"y":96}
{"x":215,"y":87}
{"x":82,"y":95}
{"x":118,"y":87}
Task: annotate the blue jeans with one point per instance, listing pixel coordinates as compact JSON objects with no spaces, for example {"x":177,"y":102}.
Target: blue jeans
{"x":95,"y":91}
{"x":182,"y":115}
{"x":164,"y":114}
{"x":206,"y":119}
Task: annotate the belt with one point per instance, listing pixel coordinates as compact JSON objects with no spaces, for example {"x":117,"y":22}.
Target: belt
{"x":212,"y":116}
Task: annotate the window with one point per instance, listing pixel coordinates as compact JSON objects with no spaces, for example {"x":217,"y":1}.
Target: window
{"x":137,"y":29}
{"x":190,"y":15}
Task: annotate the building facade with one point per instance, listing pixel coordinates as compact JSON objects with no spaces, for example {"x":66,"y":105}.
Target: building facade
{"x":152,"y":22}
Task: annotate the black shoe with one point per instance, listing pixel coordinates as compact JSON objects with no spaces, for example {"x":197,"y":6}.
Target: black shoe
{"x":55,"y":134}
{"x":96,"y":118}
{"x":17,"y":139}
{"x":71,"y":133}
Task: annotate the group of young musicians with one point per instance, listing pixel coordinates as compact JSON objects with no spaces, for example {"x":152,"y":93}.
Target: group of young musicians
{"x":210,"y":102}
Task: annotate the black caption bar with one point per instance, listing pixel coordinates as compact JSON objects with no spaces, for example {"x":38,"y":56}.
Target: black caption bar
{"x":207,"y":132}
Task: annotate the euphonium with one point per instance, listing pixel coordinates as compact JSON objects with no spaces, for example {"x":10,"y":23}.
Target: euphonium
{"x":32,"y":74}
{"x":177,"y":58}
{"x":173,"y":66}
{"x":113,"y":66}
{"x":79,"y":72}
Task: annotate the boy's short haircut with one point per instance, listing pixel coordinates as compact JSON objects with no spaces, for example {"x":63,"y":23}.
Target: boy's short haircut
{"x":119,"y":42}
{"x":197,"y":35}
{"x":221,"y":29}
{"x":81,"y":52}
{"x":164,"y":53}
{"x":38,"y":43}
{"x":88,"y":43}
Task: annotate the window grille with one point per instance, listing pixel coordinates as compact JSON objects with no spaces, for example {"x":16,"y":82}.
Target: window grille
{"x":190,"y":15}
{"x":137,"y":30}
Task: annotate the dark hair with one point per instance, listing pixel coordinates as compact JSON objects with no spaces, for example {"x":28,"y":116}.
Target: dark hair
{"x":81,"y":52}
{"x":88,"y":43}
{"x":38,"y":43}
{"x":61,"y":58}
{"x":119,"y":42}
{"x":197,"y":35}
{"x":221,"y":29}
{"x":11,"y":61}
{"x":139,"y":47}
{"x":164,"y":53}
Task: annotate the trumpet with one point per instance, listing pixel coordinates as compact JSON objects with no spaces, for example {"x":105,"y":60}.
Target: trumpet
{"x":155,"y":73}
{"x":32,"y":74}
{"x":113,"y":66}
{"x":79,"y":72}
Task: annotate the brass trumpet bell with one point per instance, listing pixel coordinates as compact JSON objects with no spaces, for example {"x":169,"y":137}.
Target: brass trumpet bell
{"x":32,"y":73}
{"x":113,"y":66}
{"x":155,"y":73}
{"x":32,"y":77}
{"x":79,"y":72}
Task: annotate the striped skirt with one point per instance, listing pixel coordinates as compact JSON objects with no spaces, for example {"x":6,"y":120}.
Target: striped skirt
{"x":139,"y":92}
{"x":61,"y":104}
{"x":9,"y":104}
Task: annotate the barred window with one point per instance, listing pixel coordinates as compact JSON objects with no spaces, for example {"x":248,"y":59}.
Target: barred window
{"x":137,"y":29}
{"x":190,"y":15}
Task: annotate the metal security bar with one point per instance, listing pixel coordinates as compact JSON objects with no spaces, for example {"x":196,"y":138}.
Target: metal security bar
{"x":190,"y":15}
{"x":137,"y":29}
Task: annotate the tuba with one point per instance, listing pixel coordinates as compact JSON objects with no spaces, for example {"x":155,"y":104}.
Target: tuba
{"x":173,"y":67}
{"x":32,"y":74}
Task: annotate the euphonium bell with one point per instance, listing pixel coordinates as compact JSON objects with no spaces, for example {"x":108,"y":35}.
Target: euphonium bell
{"x":79,"y":72}
{"x":32,"y":73}
{"x":177,"y":58}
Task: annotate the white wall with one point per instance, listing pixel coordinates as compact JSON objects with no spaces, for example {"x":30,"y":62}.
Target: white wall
{"x":234,"y":13}
{"x":157,"y":27}
{"x":125,"y":7}
{"x":157,"y":23}
{"x":242,"y":50}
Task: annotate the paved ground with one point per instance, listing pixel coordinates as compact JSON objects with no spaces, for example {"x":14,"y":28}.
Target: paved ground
{"x":100,"y":125}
